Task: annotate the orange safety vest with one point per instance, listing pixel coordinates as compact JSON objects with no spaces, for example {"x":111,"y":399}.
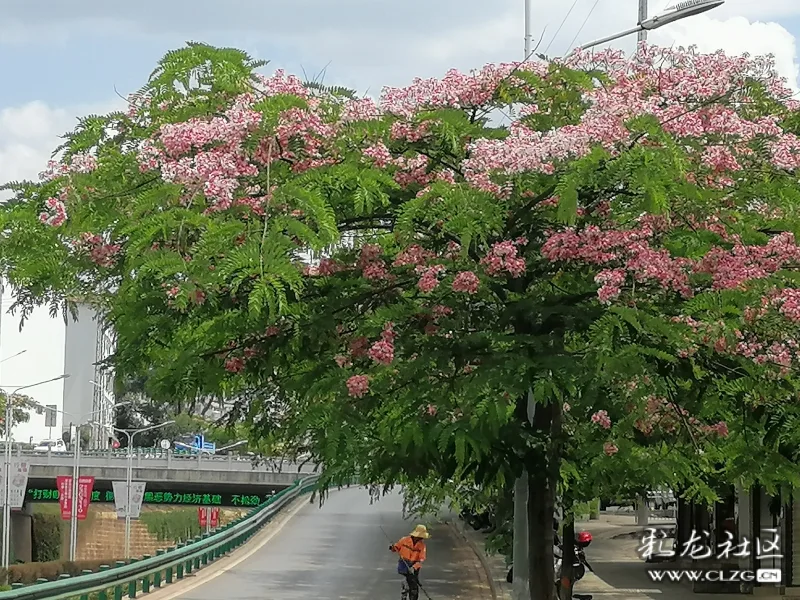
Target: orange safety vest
{"x":413,"y":554}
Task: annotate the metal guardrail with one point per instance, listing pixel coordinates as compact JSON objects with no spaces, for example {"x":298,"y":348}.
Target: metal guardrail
{"x":168,"y":565}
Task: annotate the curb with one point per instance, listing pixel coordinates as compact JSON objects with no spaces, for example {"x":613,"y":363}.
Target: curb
{"x":458,"y":528}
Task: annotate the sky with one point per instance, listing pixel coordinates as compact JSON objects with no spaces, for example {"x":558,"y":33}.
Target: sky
{"x":76,"y":57}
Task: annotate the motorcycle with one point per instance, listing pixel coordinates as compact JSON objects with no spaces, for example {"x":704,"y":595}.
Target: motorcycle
{"x":579,"y":565}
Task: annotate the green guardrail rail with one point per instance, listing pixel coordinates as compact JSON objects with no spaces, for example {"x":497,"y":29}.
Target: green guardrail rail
{"x":113,"y":582}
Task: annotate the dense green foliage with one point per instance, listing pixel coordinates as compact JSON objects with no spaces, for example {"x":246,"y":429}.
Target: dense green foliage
{"x":387,"y":286}
{"x":47,"y":534}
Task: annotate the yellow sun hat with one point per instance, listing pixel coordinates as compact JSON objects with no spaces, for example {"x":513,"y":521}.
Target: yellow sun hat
{"x":420,"y":531}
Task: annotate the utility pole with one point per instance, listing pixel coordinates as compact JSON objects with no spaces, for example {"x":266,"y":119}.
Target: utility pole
{"x":642,"y":37}
{"x":527,"y":30}
{"x":520,"y":564}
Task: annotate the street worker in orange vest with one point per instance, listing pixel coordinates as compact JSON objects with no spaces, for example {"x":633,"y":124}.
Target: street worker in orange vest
{"x":412,"y":553}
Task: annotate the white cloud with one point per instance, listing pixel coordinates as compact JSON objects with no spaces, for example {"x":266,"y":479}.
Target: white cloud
{"x":737,"y":35}
{"x":29,"y":133}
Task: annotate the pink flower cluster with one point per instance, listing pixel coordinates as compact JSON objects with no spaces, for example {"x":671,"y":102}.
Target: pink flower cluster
{"x":732,"y":268}
{"x":430,"y":278}
{"x":627,"y":251}
{"x":382,"y":351}
{"x":682,"y":78}
{"x":503,"y":258}
{"x":55,"y":214}
{"x":610,"y":448}
{"x":413,"y":255}
{"x":466,"y":282}
{"x":601,"y":418}
{"x":455,"y":90}
{"x":358,"y":386}
{"x":81,"y":162}
{"x":372,"y":267}
{"x":670,"y":417}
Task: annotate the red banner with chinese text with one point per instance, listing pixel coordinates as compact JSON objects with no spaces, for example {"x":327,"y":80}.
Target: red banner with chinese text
{"x":215,"y":517}
{"x":85,"y":485}
{"x":64,"y":484}
{"x":202,"y":514}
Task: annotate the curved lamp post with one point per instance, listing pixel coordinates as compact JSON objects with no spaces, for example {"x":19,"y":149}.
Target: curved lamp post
{"x":677,"y":12}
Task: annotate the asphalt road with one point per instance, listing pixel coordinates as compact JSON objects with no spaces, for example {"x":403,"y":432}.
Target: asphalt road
{"x":339,"y":552}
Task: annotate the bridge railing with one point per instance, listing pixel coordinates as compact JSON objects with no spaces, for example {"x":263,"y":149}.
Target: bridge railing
{"x":151,"y":572}
{"x":170,"y":460}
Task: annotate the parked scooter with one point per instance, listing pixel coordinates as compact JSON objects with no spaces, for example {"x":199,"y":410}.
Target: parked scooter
{"x":579,"y":566}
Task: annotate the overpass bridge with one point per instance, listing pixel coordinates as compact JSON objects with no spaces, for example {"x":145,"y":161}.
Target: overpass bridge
{"x":171,"y":478}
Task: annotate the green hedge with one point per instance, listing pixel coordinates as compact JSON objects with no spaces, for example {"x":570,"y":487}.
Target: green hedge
{"x":47,"y":536}
{"x":173,"y":525}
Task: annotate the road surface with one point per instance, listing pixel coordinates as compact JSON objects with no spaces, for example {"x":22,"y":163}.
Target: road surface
{"x":339,"y":552}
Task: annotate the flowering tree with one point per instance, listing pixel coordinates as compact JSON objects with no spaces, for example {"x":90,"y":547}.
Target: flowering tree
{"x":389,"y":282}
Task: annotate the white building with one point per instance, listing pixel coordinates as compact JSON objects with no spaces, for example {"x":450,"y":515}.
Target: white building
{"x":28,"y":357}
{"x":89,"y":390}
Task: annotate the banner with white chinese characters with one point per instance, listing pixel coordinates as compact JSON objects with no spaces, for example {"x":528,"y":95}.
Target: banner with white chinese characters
{"x":121,"y":498}
{"x":18,"y":475}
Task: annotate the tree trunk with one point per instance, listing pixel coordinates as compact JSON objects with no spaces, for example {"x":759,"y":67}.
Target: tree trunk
{"x":541,"y":504}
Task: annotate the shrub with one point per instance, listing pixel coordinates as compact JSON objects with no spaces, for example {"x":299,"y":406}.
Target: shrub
{"x":51,"y":570}
{"x":47,"y":534}
{"x":174,"y":525}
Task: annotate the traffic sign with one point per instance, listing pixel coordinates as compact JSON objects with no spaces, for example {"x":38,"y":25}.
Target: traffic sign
{"x":165,"y":444}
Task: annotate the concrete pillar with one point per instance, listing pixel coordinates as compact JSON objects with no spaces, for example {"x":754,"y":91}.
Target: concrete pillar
{"x":21,"y":533}
{"x":642,"y":512}
{"x":520,"y":589}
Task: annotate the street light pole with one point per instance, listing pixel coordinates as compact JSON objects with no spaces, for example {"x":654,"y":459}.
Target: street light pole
{"x":76,"y":471}
{"x":9,"y":414}
{"x":678,"y":12}
{"x":642,"y":37}
{"x":131,"y":435}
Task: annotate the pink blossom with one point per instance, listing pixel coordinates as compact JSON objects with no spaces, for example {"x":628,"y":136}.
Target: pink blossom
{"x":413,"y":255}
{"x":430,"y":279}
{"x":502,"y":258}
{"x":611,"y":281}
{"x":342,"y":361}
{"x":440,"y":311}
{"x":382,"y":352}
{"x":610,"y":448}
{"x":358,"y":385}
{"x":467,"y":282}
{"x":720,"y":429}
{"x":56,"y":211}
{"x":388,"y":334}
{"x":601,"y":418}
{"x":234,"y":365}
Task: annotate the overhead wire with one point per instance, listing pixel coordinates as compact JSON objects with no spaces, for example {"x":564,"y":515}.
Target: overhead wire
{"x":586,"y":20}
{"x":555,"y":35}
